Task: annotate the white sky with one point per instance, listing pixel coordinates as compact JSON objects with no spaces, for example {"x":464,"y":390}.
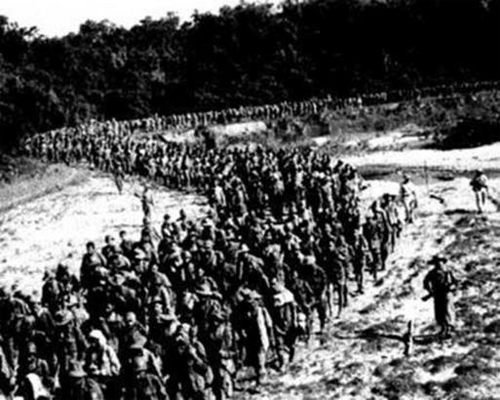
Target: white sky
{"x":58,"y":17}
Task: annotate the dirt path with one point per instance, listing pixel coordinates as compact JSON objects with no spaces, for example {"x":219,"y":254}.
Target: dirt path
{"x":37,"y":234}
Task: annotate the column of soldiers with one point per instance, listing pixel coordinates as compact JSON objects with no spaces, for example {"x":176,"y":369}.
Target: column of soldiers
{"x":265,"y":112}
{"x":179,"y":317}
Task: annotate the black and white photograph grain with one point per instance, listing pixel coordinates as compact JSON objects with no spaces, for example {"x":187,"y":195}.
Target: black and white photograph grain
{"x":249,"y":199}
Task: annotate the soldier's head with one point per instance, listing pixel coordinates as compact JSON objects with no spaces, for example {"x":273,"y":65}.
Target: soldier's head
{"x":63,"y":319}
{"x":90,"y":247}
{"x":97,"y":339}
{"x":5,"y":292}
{"x":108,"y":239}
{"x":130,"y":319}
{"x":186,"y":256}
{"x":31,"y":351}
{"x":375,"y":206}
{"x":62,"y":272}
{"x":438,"y":261}
{"x":182,"y":337}
{"x":156,"y":307}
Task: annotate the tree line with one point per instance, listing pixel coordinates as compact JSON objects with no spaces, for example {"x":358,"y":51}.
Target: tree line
{"x":249,"y":54}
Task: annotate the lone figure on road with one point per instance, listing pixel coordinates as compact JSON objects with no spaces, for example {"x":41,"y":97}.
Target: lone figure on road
{"x":440,"y":283}
{"x":147,"y":202}
{"x":408,"y":196}
{"x":479,"y":186}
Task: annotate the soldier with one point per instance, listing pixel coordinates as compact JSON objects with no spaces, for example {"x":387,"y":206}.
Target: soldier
{"x":441,"y":283}
{"x":31,"y":364}
{"x":219,"y":345}
{"x":304,"y":298}
{"x":13,"y":314}
{"x":126,"y":245}
{"x":90,"y":262}
{"x":250,"y":271}
{"x":408,"y":196}
{"x":209,"y":303}
{"x":144,"y":385}
{"x":337,"y":269}
{"x":373,"y":233}
{"x":110,"y":247}
{"x":479,"y":184}
{"x":68,"y":341}
{"x":147,"y":202}
{"x":277,"y":192}
{"x":283,"y":314}
{"x":132,"y":347}
{"x":119,"y":176}
{"x":255,"y":331}
{"x":102,"y":363}
{"x":192,"y":377}
{"x":78,"y":386}
{"x":379,"y":217}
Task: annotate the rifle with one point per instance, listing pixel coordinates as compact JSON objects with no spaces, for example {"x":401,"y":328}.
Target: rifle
{"x":493,"y":199}
{"x":438,"y":198}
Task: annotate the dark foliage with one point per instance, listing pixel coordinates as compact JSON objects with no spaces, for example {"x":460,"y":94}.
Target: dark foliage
{"x":470,"y":132}
{"x":248,"y":54}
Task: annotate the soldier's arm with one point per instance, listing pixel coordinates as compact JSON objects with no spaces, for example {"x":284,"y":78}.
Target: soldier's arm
{"x":161,"y":391}
{"x":154,"y":364}
{"x":114,"y":361}
{"x":452,"y":282}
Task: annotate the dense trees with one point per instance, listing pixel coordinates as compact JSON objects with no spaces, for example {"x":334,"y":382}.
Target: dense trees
{"x":248,"y":54}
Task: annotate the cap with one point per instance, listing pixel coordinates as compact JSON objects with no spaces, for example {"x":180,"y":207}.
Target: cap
{"x":437,"y":259}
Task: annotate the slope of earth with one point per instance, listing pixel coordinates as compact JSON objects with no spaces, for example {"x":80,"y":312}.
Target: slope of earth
{"x":486,"y":157}
{"x":361,"y":355}
{"x":50,"y":222}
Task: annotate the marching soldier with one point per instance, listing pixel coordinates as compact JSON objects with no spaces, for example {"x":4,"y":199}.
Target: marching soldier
{"x":440,"y":283}
{"x":479,"y":184}
{"x":408,"y":196}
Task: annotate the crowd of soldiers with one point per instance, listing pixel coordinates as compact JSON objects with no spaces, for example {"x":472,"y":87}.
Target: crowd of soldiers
{"x":184,"y":121}
{"x":179,"y":313}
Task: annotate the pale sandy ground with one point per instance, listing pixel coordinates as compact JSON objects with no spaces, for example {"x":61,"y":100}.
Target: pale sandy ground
{"x":486,"y":157}
{"x":38,"y":234}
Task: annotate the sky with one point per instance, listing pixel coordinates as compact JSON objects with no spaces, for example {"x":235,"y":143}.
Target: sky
{"x":59,"y":17}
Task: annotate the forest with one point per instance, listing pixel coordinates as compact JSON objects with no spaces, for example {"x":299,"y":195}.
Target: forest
{"x":249,"y":54}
